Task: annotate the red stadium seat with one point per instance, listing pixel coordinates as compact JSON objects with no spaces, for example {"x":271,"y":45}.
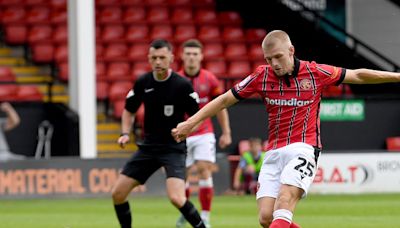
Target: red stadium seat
{"x":29,"y":93}
{"x":63,"y":71}
{"x":229,"y":18}
{"x":12,"y":2}
{"x":119,"y":71}
{"x":178,"y":3}
{"x":40,"y":33}
{"x":58,"y":16}
{"x":60,"y":34}
{"x":58,"y":4}
{"x":38,"y":15}
{"x":36,"y":2}
{"x":118,"y":108}
{"x":16,"y":34}
{"x":184,"y":32}
{"x":136,"y":15}
{"x":256,"y":53}
{"x":158,"y":15}
{"x":255,"y":35}
{"x":107,"y":2}
{"x":102,"y":90}
{"x":61,"y":53}
{"x":217,"y":67}
{"x":113,"y":33}
{"x":14,"y":15}
{"x":233,"y":34}
{"x":161,"y":32}
{"x":140,"y":68}
{"x":99,"y":51}
{"x":42,"y":53}
{"x":6,"y":74}
{"x":138,"y":52}
{"x":209,"y":34}
{"x":132,"y":2}
{"x":119,"y":90}
{"x":182,"y":15}
{"x":8,"y":92}
{"x":213,"y":51}
{"x":239,"y":69}
{"x":156,"y":3}
{"x":236,"y":51}
{"x":393,"y":143}
{"x":258,"y":63}
{"x":204,"y":3}
{"x":116,"y":52}
{"x":110,"y":15}
{"x":101,"y":71}
{"x":137,"y":33}
{"x":206,"y":17}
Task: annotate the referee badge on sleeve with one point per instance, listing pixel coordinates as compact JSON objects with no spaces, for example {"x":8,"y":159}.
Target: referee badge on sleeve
{"x":168,"y":110}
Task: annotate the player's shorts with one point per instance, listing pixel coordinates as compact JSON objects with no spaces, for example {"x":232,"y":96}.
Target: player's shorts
{"x":200,"y":148}
{"x":149,"y":159}
{"x":295,"y":164}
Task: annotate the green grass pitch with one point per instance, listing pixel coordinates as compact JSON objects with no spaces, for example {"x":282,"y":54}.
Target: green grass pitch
{"x":327,"y":211}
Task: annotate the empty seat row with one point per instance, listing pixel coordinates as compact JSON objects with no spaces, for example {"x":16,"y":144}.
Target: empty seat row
{"x":37,"y":15}
{"x":6,"y":74}
{"x":126,"y":71}
{"x":57,"y":4}
{"x":180,"y":33}
{"x":164,"y":15}
{"x":20,"y":34}
{"x":15,"y":92}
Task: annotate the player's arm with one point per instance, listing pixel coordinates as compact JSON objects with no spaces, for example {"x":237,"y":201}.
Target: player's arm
{"x":12,"y":116}
{"x":223,"y":119}
{"x":367,"y":76}
{"x":223,"y":101}
{"x":236,"y":179}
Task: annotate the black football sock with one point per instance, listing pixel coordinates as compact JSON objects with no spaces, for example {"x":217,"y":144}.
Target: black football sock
{"x":191,"y":215}
{"x":124,"y":214}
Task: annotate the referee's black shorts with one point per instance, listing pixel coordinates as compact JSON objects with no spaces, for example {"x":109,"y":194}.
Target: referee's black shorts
{"x":149,"y":159}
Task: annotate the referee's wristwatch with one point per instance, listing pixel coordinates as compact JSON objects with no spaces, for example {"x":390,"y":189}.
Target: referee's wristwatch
{"x":124,"y":134}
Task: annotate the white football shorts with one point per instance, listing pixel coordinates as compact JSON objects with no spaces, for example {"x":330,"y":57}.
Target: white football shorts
{"x":294,"y":164}
{"x":200,"y":147}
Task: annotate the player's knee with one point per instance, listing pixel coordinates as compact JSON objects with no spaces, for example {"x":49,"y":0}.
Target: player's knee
{"x":118,"y":196}
{"x":177,"y":200}
{"x":265,"y":219}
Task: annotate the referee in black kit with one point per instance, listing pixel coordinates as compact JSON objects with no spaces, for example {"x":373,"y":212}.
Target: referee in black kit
{"x":167,"y":97}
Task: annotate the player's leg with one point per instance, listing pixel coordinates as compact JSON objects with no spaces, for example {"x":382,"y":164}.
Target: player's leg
{"x":135,"y":172}
{"x":296,"y":178}
{"x":206,"y":188}
{"x":204,"y":153}
{"x":284,"y":206}
{"x":120,"y":192}
{"x":265,"y":210}
{"x":176,"y":194}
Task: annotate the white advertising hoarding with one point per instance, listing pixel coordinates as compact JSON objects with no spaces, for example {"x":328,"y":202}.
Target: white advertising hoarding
{"x":357,"y":173}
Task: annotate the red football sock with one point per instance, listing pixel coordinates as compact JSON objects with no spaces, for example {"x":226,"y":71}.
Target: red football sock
{"x":205,"y":197}
{"x":280,"y":223}
{"x":294,"y":225}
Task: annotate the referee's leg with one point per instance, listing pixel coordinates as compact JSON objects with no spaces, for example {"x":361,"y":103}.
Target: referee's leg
{"x":120,"y":192}
{"x":176,"y":194}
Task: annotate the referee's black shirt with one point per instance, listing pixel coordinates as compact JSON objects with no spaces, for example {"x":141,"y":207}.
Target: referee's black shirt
{"x":165,"y":102}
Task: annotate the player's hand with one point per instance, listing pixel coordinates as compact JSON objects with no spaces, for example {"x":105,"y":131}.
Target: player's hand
{"x":6,"y":107}
{"x":122,"y":140}
{"x":181,"y":131}
{"x":225,"y":140}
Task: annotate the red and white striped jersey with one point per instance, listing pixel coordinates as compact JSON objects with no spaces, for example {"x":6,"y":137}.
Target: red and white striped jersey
{"x":207,"y":87}
{"x":292,"y":101}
